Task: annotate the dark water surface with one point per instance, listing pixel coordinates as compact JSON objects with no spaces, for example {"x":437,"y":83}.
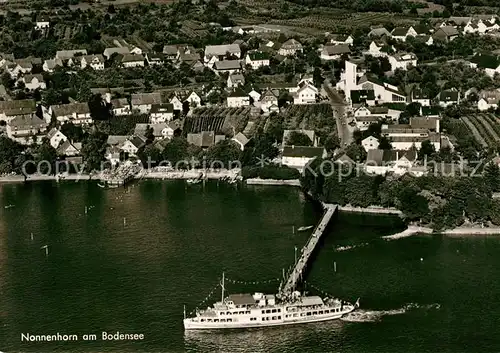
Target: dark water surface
{"x":139,"y":255}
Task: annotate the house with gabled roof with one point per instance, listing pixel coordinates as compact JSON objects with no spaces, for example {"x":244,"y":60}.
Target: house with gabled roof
{"x":65,"y":55}
{"x":370,"y":143}
{"x":421,"y":97}
{"x":204,"y":139}
{"x":26,"y":129}
{"x":379,"y":32}
{"x":220,"y":52}
{"x":33,"y":81}
{"x":132,"y":144}
{"x":401,"y":33}
{"x":448,"y":97}
{"x":120,"y":107}
{"x":95,"y":62}
{"x":142,"y":102}
{"x":56,"y":137}
{"x":334,"y":52}
{"x":241,"y":140}
{"x":402,"y":61}
{"x":381,"y":162}
{"x":77,"y":113}
{"x":306,"y":94}
{"x":42,"y":22}
{"x":12,"y":109}
{"x":131,"y":60}
{"x":338,"y":39}
{"x":238,"y":98}
{"x":19,"y":67}
{"x":269,"y":100}
{"x":256,"y":59}
{"x":51,"y":64}
{"x":69,"y":149}
{"x":290,"y":48}
{"x":487,"y":62}
{"x":235,"y":80}
{"x":155,"y":59}
{"x":161,"y":113}
{"x":445,"y":34}
{"x":488,"y":99}
{"x":379,"y":49}
{"x":108,"y":52}
{"x":299,"y":157}
{"x":227,"y":66}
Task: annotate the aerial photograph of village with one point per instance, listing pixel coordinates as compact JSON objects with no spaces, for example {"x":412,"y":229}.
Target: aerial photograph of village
{"x":249,"y":176}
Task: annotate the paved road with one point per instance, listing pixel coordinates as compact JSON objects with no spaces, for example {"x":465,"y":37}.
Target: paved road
{"x":340,"y":114}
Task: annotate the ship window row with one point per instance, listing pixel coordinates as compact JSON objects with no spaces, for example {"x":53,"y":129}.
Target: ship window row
{"x":235,"y":313}
{"x":271,"y":318}
{"x":253,"y":319}
{"x":217,"y":320}
{"x":269,"y":311}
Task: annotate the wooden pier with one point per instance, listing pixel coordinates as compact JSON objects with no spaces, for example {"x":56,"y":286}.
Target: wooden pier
{"x":295,"y":274}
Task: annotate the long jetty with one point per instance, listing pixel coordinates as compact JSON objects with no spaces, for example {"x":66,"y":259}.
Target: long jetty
{"x":298,"y":268}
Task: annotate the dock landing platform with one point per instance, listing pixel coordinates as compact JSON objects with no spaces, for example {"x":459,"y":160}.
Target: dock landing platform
{"x":295,"y":274}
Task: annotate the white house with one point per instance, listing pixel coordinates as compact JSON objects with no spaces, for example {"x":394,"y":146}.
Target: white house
{"x":418,"y":96}
{"x":379,"y":32}
{"x":42,"y":23}
{"x":69,"y":149}
{"x":228,"y":66}
{"x":108,"y":52}
{"x":19,"y":67}
{"x":241,"y":140}
{"x":370,"y":143}
{"x":379,"y":49}
{"x":290,"y":48}
{"x":176,"y":102}
{"x":161,"y":113}
{"x":489,"y":63}
{"x":306,"y":94}
{"x":193,"y":99}
{"x":237,"y":99}
{"x":402,"y":61}
{"x":34,"y":81}
{"x":142,"y":102}
{"x":407,"y":136}
{"x":257,"y":59}
{"x":488,"y":99}
{"x":155,"y":59}
{"x":381,"y":162}
{"x":65,"y":55}
{"x":132,"y":145}
{"x":401,"y":33}
{"x":120,"y":107}
{"x":334,"y":52}
{"x":363,"y":122}
{"x":338,"y":39}
{"x":77,"y":113}
{"x":268,"y":99}
{"x":26,"y":129}
{"x":96,"y":62}
{"x":300,"y":156}
{"x":56,"y":137}
{"x":448,"y":97}
{"x":235,"y":80}
{"x":254,"y":95}
{"x":51,"y":64}
{"x":132,"y":60}
{"x":219,"y":52}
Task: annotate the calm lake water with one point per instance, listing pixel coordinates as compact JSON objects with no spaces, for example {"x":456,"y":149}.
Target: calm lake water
{"x":140,"y":254}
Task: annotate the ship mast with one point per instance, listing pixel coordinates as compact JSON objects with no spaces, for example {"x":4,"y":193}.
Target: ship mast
{"x":222,"y":286}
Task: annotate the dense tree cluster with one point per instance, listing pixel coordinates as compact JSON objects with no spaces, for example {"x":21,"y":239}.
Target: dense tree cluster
{"x":440,"y":201}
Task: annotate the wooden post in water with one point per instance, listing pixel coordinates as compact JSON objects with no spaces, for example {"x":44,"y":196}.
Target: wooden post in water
{"x":124,"y":221}
{"x":86,"y":210}
{"x":46,"y":247}
{"x":335,"y":266}
{"x":31,"y":236}
{"x":293,"y":230}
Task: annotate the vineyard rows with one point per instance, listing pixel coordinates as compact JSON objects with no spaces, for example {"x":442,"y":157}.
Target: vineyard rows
{"x":475,"y":132}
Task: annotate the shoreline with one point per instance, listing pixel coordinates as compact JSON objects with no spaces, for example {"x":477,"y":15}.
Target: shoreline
{"x":371,"y":209}
{"x":273,"y":182}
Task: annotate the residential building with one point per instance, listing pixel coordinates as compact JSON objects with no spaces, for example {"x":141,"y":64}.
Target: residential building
{"x":142,"y":102}
{"x":445,"y":34}
{"x":69,"y":149}
{"x":488,"y":100}
{"x":229,"y":66}
{"x":238,"y":98}
{"x":26,"y":129}
{"x":407,"y":136}
{"x":381,"y":162}
{"x":257,"y":59}
{"x":95,"y":62}
{"x":334,"y":52}
{"x":56,"y":137}
{"x":379,"y":49}
{"x":306,"y":94}
{"x":489,"y":63}
{"x":33,"y":81}
{"x":19,"y":67}
{"x":42,"y":22}
{"x":160,"y":130}
{"x":401,"y":33}
{"x":193,"y":99}
{"x":77,"y":113}
{"x":421,"y":97}
{"x":448,"y":97}
{"x":132,"y":145}
{"x":339,"y":39}
{"x":241,"y":140}
{"x":379,"y":32}
{"x":204,"y":139}
{"x":161,"y":113}
{"x":363,"y":122}
{"x":220,"y":52}
{"x":120,"y":107}
{"x":235,"y":80}
{"x":290,"y":48}
{"x":108,"y":52}
{"x":268,"y":99}
{"x":65,"y":55}
{"x":176,"y":102}
{"x":370,"y":143}
{"x":51,"y":64}
{"x":309,"y":133}
{"x":299,"y":157}
{"x":402,"y":61}
{"x":12,"y":109}
{"x":155,"y":59}
{"x":131,"y":60}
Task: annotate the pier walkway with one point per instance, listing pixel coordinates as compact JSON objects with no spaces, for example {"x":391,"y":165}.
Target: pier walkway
{"x":298,"y":268}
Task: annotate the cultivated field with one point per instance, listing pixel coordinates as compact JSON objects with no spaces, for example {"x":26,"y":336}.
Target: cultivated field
{"x":485,"y":127}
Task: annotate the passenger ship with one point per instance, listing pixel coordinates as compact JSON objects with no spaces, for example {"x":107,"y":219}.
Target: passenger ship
{"x":260,"y":310}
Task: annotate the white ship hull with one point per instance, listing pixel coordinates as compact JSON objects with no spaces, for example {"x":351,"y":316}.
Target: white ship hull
{"x":242,"y":323}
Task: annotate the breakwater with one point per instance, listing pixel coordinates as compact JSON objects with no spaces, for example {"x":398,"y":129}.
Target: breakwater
{"x":259,"y":181}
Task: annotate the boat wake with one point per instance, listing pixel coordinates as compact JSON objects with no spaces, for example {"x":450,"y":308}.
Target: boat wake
{"x":361,"y":315}
{"x":349,"y":247}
